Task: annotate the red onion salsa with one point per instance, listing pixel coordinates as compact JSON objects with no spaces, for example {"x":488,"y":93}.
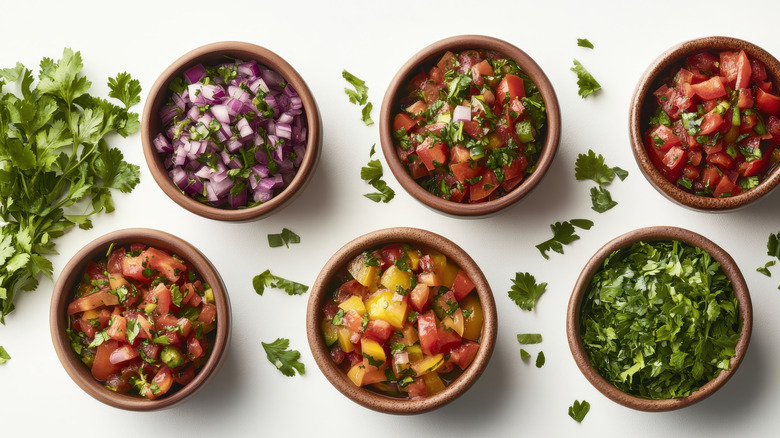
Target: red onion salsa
{"x":235,"y":134}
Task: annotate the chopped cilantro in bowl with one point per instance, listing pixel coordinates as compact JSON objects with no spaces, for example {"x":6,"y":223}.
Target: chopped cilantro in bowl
{"x":660,"y":318}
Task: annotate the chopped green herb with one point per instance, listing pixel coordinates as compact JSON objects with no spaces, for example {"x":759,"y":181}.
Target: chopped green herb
{"x":765,"y":269}
{"x":525,"y":292}
{"x":524,"y":355}
{"x":266,"y":279}
{"x":563,"y":234}
{"x":578,"y":410}
{"x":592,"y":166}
{"x":282,"y":358}
{"x":601,"y":199}
{"x":359,"y":95}
{"x":583,"y":42}
{"x":4,"y":356}
{"x":372,"y":174}
{"x":286,"y":237}
{"x":586,"y":82}
{"x":540,"y":359}
{"x":529,"y":338}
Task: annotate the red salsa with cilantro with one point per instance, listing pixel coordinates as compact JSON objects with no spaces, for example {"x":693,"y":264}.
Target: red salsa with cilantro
{"x":470,"y":128}
{"x":716,"y":130}
{"x":404,"y":321}
{"x":141,"y":320}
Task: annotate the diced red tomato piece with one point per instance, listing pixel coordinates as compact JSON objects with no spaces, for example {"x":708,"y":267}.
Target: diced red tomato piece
{"x":691,"y":172}
{"x":710,"y":177}
{"x":428,"y":333}
{"x":353,"y":287}
{"x":379,"y":330}
{"x":417,"y":389}
{"x":419,"y":297}
{"x":123,"y":354}
{"x":702,"y":65}
{"x":353,"y":321}
{"x":664,"y":138}
{"x":118,"y":329}
{"x":710,"y":89}
{"x":403,"y":121}
{"x":511,"y":86}
{"x":712,"y":122}
{"x":462,"y":285}
{"x":744,"y":71}
{"x":102,"y":367}
{"x":465,"y":354}
{"x":726,"y":187}
{"x":721,"y":159}
{"x":674,"y":162}
{"x":208,"y":313}
{"x":768,"y":103}
{"x":485,"y":186}
{"x":432,"y":154}
{"x":194,"y":348}
{"x":448,"y":339}
{"x":745,"y":98}
{"x":93,"y":301}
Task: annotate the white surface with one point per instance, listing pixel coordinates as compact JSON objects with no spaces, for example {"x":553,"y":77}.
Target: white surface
{"x":250,"y":397}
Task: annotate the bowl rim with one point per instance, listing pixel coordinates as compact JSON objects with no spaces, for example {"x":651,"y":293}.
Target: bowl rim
{"x":373,"y":400}
{"x":657,"y":233}
{"x":63,"y":290}
{"x":458,"y":43}
{"x":643,"y":90}
{"x":215,"y":52}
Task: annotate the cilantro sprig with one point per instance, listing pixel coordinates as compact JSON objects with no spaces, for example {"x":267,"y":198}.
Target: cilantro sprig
{"x":54,"y":155}
{"x":284,"y":359}
{"x":591,"y":166}
{"x":525,"y":291}
{"x":772,"y":250}
{"x":578,"y":410}
{"x":586,"y":82}
{"x":267,"y":279}
{"x":372,"y":174}
{"x":563,"y":234}
{"x":286,"y":237}
{"x":583,"y":42}
{"x":359,"y":96}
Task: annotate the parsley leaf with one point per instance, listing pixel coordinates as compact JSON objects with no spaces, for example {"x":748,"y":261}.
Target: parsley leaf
{"x":525,"y":292}
{"x":4,"y":356}
{"x":587,"y":83}
{"x":583,"y":42}
{"x":529,"y":338}
{"x":284,"y":360}
{"x":578,"y":410}
{"x":592,"y":166}
{"x":56,"y":167}
{"x":366,"y":114}
{"x":540,"y":359}
{"x":266,"y":279}
{"x":286,"y":237}
{"x":524,"y":355}
{"x":359,"y":95}
{"x":601,"y":199}
{"x":563,"y":234}
{"x":372,"y":174}
{"x":765,"y":269}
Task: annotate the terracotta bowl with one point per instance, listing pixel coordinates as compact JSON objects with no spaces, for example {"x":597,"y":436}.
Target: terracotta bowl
{"x":428,"y":57}
{"x":643,"y":104}
{"x":64,"y":290}
{"x":325,"y":284}
{"x":213,"y":54}
{"x":660,"y":233}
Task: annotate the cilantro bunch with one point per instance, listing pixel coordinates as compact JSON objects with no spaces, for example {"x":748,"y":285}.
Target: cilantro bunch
{"x":56,"y":167}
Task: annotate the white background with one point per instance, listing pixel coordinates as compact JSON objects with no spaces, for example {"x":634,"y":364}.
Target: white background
{"x":249,"y":397}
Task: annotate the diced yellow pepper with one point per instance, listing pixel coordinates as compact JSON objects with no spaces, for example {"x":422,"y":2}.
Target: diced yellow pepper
{"x":89,"y":314}
{"x":433,"y":383}
{"x":361,"y":272}
{"x":373,"y":352}
{"x":415,"y":353}
{"x":445,"y":271}
{"x":354,"y":303}
{"x":428,"y":364}
{"x":394,"y":277}
{"x":329,"y":331}
{"x":344,"y":334}
{"x":472,"y":324}
{"x":454,"y":322}
{"x":361,"y":376}
{"x":382,"y":306}
{"x":493,"y":141}
{"x":208,"y":296}
{"x":117,"y":282}
{"x":410,"y":335}
{"x":414,"y":258}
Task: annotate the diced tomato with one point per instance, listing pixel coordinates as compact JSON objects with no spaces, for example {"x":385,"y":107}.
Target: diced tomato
{"x":353,"y":321}
{"x":163,"y":381}
{"x":466,"y":170}
{"x":511,"y":86}
{"x":114,"y":265}
{"x":118,"y":329}
{"x":768,"y":103}
{"x":163,"y":298}
{"x":702,"y":65}
{"x":710,"y":177}
{"x":672,"y":101}
{"x":710,"y":89}
{"x":484,"y":68}
{"x":712,"y":122}
{"x":337,"y":354}
{"x":462,"y":285}
{"x":448,"y":339}
{"x":758,"y":73}
{"x":666,"y":137}
{"x":379,"y":330}
{"x":353,"y":287}
{"x":430,"y":92}
{"x":437,"y":76}
{"x":753,"y":168}
{"x":164,"y":263}
{"x":93,"y":301}
{"x":194,"y":348}
{"x":485,"y":186}
{"x":417,"y":169}
{"x":744,"y":71}
{"x":403,"y":121}
{"x":465,"y":354}
{"x":417,"y":389}
{"x":96,"y":272}
{"x":208,"y":313}
{"x":745,"y":98}
{"x":721,"y":159}
{"x":468,"y":59}
{"x":416,"y":108}
{"x":391,"y":253}
{"x":419,"y":297}
{"x":694,"y":157}
{"x":123,"y":354}
{"x":691,"y":172}
{"x":432,"y":154}
{"x":726,"y":187}
{"x":102,"y":367}
{"x":674,"y":162}
{"x":185,"y":376}
{"x":429,"y":337}
{"x":728,"y":66}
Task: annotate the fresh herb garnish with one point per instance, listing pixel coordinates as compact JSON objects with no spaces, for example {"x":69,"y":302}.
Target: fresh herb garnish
{"x":578,"y":410}
{"x":286,"y":237}
{"x":591,"y":166}
{"x":583,"y":42}
{"x":772,"y":250}
{"x":524,"y":355}
{"x":53,"y":154}
{"x":359,"y":95}
{"x":266,"y":279}
{"x":540,"y":359}
{"x":587,"y":83}
{"x":601,"y":199}
{"x":282,"y":358}
{"x":765,"y":269}
{"x":4,"y":356}
{"x":529,"y":338}
{"x":669,"y":310}
{"x":525,"y":292}
{"x":563,"y":234}
{"x":372,"y":174}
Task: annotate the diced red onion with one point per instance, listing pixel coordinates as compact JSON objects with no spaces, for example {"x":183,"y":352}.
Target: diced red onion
{"x":161,"y":144}
{"x":461,"y":113}
{"x":195,"y":74}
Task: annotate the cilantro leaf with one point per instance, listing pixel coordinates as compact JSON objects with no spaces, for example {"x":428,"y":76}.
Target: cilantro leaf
{"x":540,"y":359}
{"x":578,"y":410}
{"x":286,"y":237}
{"x":4,"y":356}
{"x":372,"y":174}
{"x":524,"y":355}
{"x":587,"y":83}
{"x":773,"y":246}
{"x":583,"y":42}
{"x":592,"y":166}
{"x":360,"y":94}
{"x":125,"y":88}
{"x":525,"y":292}
{"x":601,"y":199}
{"x":529,"y":338}
{"x":366,"y":114}
{"x":266,"y":279}
{"x":563,"y":234}
{"x":282,"y":358}
{"x":765,"y":269}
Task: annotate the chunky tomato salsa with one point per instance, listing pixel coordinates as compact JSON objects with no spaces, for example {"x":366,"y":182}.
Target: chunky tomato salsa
{"x":403,"y":321}
{"x":716,"y":130}
{"x":470,"y":128}
{"x":141,"y":320}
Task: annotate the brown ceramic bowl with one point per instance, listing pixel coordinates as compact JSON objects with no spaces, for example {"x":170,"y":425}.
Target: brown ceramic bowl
{"x":660,"y":233}
{"x":327,"y":282}
{"x":213,"y":54}
{"x":643,"y":104}
{"x":64,"y":290}
{"x":428,"y":57}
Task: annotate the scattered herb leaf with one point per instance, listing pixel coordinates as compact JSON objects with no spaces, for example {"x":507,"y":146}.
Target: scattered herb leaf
{"x":286,"y":237}
{"x":583,"y":42}
{"x":525,"y":292}
{"x":765,"y":269}
{"x":540,"y":359}
{"x":524,"y":355}
{"x":284,"y":360}
{"x":578,"y":410}
{"x":563,"y":234}
{"x":372,"y":174}
{"x":529,"y":338}
{"x":266,"y":279}
{"x":601,"y":199}
{"x":359,"y":95}
{"x":4,"y":356}
{"x":587,"y":83}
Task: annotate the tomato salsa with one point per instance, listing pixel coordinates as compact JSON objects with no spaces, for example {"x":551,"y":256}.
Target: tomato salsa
{"x":403,"y":321}
{"x":142,"y":320}
{"x":470,"y":128}
{"x":716,"y":130}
